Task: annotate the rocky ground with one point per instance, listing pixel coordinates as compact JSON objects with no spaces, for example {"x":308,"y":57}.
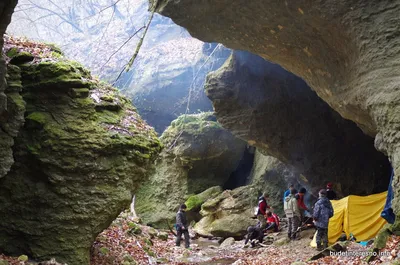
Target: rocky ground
{"x":126,"y":242}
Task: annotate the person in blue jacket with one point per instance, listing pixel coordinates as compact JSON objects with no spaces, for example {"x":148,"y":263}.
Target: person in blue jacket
{"x":323,"y":210}
{"x":287,"y":192}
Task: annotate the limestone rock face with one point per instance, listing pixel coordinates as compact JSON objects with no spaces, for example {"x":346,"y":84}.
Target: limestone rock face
{"x":198,"y":154}
{"x":347,"y":51}
{"x":80,"y":155}
{"x":10,"y":111}
{"x":228,"y":214}
{"x":272,"y":176}
{"x":277,"y":112}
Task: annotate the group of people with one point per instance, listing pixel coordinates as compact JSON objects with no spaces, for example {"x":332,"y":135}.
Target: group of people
{"x":295,"y":207}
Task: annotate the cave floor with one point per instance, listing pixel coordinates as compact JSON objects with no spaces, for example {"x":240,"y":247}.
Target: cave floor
{"x":118,"y":245}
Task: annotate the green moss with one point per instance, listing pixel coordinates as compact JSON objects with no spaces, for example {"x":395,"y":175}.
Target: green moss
{"x":34,"y":148}
{"x":149,"y":251}
{"x":17,"y":101}
{"x":23,"y":258}
{"x":382,"y":237}
{"x":56,"y":55}
{"x":193,"y":124}
{"x":148,"y":241}
{"x":21,"y":57}
{"x":54,"y":48}
{"x":104,"y":250}
{"x":37,"y":118}
{"x":193,"y":202}
{"x":12,"y":52}
{"x":107,"y":98}
{"x":134,"y":229}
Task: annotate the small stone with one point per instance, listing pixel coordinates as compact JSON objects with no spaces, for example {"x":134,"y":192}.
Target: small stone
{"x":23,"y":258}
{"x":228,"y":242}
{"x":152,"y":232}
{"x":163,"y":236}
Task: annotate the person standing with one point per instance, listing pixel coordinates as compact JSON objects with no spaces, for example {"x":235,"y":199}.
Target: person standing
{"x":262,"y":210}
{"x":301,"y":204}
{"x":323,"y":210}
{"x":287,"y":192}
{"x":330,"y":194}
{"x":292,"y":213}
{"x":182,"y":227}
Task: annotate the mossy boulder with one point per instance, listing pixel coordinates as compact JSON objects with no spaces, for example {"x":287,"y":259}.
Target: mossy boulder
{"x":195,"y":201}
{"x":228,"y":214}
{"x":198,"y":154}
{"x":20,"y":57}
{"x":76,"y":166}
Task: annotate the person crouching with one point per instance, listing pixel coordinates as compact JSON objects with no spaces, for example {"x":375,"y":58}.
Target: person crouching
{"x":272,"y":222}
{"x":254,"y":233}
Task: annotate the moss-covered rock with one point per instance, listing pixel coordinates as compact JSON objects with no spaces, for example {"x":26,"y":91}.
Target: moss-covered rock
{"x":76,"y":166}
{"x":228,"y":214}
{"x":20,"y":57}
{"x":198,"y":154}
{"x":195,"y":201}
{"x":11,"y":118}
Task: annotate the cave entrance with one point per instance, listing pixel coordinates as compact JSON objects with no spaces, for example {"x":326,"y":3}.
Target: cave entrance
{"x":239,"y":176}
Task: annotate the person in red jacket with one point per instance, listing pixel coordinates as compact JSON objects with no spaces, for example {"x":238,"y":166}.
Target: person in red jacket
{"x":300,"y":202}
{"x":262,"y":210}
{"x":272,"y":221}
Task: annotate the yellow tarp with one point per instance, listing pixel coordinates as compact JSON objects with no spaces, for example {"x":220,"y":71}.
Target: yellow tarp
{"x":359,"y":215}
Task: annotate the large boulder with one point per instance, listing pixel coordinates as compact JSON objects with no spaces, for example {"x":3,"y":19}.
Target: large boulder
{"x":277,"y":112}
{"x":347,"y":51}
{"x":198,"y":154}
{"x":79,"y":157}
{"x":228,"y":214}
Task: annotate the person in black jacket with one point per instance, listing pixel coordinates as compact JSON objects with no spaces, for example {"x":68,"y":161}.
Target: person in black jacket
{"x":330,"y":194}
{"x":182,"y":226}
{"x":254,"y":233}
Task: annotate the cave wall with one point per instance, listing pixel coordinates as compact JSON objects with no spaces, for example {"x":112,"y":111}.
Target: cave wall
{"x":278,"y":113}
{"x":273,"y":177}
{"x":347,"y":51}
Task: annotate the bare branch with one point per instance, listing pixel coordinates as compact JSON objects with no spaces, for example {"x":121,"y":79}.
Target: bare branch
{"x":101,"y":11}
{"x":58,"y":15}
{"x":121,"y":48}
